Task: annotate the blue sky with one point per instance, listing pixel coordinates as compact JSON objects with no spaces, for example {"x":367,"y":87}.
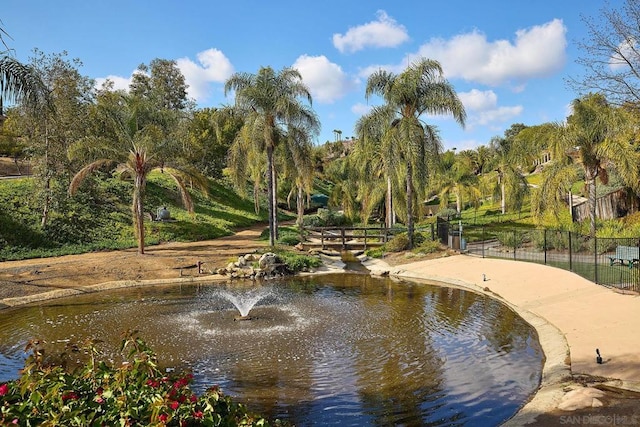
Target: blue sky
{"x":507,"y":60}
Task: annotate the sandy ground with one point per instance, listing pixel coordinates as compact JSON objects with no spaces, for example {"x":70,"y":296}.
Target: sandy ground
{"x":573,"y":316}
{"x":162,"y":262}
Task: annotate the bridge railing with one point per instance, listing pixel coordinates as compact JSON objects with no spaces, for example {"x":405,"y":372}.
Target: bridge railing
{"x":348,"y":237}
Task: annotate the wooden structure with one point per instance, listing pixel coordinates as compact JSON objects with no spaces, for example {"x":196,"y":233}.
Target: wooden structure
{"x":613,"y":205}
{"x":346,"y":238}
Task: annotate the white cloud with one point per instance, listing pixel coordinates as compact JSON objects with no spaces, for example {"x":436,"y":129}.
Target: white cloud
{"x":538,"y":51}
{"x":383,"y":32}
{"x":627,"y":49}
{"x":496,"y":115}
{"x":119,"y":83}
{"x":476,"y":100}
{"x":360,"y":109}
{"x":325,"y":79}
{"x":212,"y":66}
{"x":482,"y":108}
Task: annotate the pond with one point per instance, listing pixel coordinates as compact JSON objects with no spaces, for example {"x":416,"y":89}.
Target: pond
{"x":340,"y":349}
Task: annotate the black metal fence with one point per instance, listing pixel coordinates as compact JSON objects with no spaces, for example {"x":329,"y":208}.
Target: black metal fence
{"x":612,"y":262}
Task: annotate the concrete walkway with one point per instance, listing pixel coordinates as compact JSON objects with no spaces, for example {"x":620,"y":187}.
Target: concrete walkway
{"x":572,"y":315}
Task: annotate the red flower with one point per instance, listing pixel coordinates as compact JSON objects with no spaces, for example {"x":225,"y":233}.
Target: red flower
{"x":193,"y":398}
{"x":99,"y":391}
{"x":174,"y":405}
{"x":4,"y":389}
{"x":153,"y":383}
{"x":69,"y":396}
{"x":198,"y":414}
{"x":163,"y":417}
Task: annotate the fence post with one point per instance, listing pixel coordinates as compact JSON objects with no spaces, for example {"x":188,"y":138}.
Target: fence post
{"x":483,"y":241}
{"x":322,"y":238}
{"x":365,"y":239}
{"x":544,"y":245}
{"x":515,"y":244}
{"x":344,"y":244}
{"x":570,"y":253}
{"x":595,"y":259}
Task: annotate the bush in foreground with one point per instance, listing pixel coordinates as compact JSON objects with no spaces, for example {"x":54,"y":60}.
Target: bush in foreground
{"x":137,"y":393}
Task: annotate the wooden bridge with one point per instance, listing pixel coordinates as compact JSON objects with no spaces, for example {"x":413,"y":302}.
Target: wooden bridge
{"x":346,"y":238}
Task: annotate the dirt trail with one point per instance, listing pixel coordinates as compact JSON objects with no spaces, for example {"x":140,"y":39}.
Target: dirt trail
{"x":164,"y":261}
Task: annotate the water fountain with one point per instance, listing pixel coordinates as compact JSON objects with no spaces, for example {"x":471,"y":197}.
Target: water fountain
{"x":245,"y":299}
{"x":339,"y":349}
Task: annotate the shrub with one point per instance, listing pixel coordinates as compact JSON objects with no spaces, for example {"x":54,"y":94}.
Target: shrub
{"x":398,"y":243}
{"x":428,"y":247}
{"x":510,"y":239}
{"x":298,"y":262}
{"x":325,"y":218}
{"x":375,"y":252}
{"x":136,"y":393}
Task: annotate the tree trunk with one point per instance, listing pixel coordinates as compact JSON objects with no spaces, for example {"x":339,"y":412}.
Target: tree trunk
{"x":458,"y":202}
{"x":571,"y":205}
{"x":300,"y":205}
{"x":503,"y":201}
{"x":410,"y":204}
{"x":139,"y":211}
{"x":591,"y":186}
{"x":272,"y":223}
{"x":389,"y":219}
{"x":256,"y":198}
{"x":47,"y":181}
{"x":274,"y":180}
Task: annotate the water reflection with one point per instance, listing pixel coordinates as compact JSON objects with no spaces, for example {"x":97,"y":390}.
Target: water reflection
{"x":329,"y":350}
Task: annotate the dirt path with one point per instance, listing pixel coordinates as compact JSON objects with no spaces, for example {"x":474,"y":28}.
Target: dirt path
{"x":165,"y":261}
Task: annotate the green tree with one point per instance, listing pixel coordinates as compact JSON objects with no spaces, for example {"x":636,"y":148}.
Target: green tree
{"x":162,"y":83}
{"x":420,"y":89}
{"x":272,"y":103}
{"x":209,"y":135}
{"x":298,"y":168}
{"x":49,"y":128}
{"x":509,"y":158}
{"x":134,"y":143}
{"x":374,"y":157}
{"x":455,"y":177}
{"x":603,"y":139}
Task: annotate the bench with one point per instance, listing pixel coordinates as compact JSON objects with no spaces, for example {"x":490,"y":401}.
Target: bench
{"x":631,"y":254}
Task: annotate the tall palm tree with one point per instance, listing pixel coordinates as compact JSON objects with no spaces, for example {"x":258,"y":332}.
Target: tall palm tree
{"x":456,"y":178}
{"x":420,"y":89}
{"x":299,"y":168}
{"x":273,"y":100}
{"x":374,"y":157}
{"x":247,"y":163}
{"x":507,"y":162}
{"x":20,"y":83}
{"x":136,"y":149}
{"x":602,"y":136}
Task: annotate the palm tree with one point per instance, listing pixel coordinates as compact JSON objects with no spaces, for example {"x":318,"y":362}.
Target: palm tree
{"x":456,"y":178}
{"x":602,"y":136}
{"x":420,"y":89}
{"x":507,"y":162}
{"x":272,"y":102}
{"x":374,"y":157}
{"x":136,"y":149}
{"x":298,"y":168}
{"x":20,"y":83}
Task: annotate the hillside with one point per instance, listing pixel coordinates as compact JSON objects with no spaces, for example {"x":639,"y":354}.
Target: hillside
{"x":99,"y":216}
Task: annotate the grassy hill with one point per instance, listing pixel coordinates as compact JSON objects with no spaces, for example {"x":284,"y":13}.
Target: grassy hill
{"x":99,"y":216}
